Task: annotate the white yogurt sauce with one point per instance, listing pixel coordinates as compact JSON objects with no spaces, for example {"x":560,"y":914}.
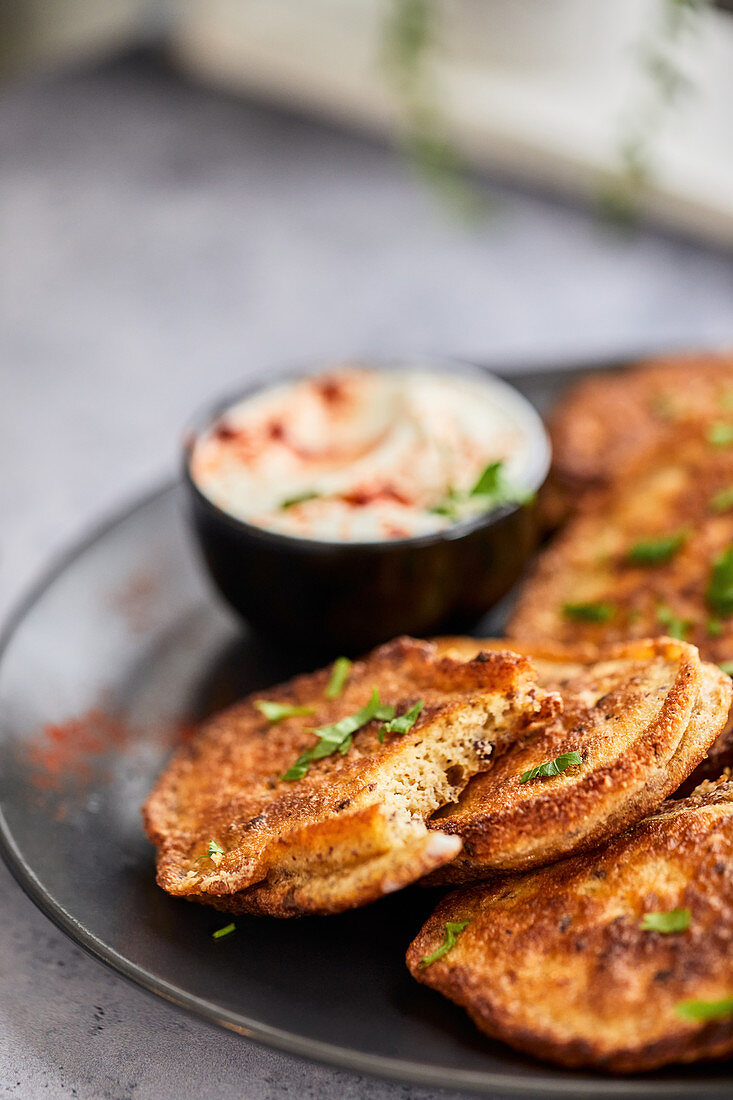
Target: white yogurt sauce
{"x":371,"y":452}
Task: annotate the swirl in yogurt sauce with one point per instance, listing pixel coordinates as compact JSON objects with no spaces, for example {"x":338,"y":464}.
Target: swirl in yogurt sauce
{"x":359,"y":454}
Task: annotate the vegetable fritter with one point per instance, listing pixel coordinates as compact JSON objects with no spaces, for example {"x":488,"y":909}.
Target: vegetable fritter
{"x":620,"y":959}
{"x":318,"y":803}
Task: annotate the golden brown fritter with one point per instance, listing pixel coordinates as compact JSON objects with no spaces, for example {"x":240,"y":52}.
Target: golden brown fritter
{"x":556,"y":962}
{"x":353,"y":828}
{"x":590,"y":584}
{"x":642,"y":716}
{"x":609,"y":418}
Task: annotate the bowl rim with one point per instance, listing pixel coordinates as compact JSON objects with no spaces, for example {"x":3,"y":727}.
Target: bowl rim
{"x":210,"y":412}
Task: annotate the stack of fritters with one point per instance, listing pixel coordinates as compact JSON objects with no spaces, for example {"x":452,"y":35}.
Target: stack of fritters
{"x":619,"y":957}
{"x":651,"y":551}
{"x":601,"y":929}
{"x":642,"y":716}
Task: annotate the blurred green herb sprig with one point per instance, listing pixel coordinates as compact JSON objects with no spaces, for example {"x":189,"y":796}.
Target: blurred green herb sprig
{"x":410,"y":37}
{"x":664,"y":85}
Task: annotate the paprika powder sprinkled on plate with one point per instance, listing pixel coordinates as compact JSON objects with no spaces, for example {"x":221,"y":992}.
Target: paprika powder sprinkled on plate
{"x":69,"y":753}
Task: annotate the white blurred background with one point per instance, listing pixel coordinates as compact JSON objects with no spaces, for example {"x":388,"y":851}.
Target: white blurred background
{"x":568,"y":93}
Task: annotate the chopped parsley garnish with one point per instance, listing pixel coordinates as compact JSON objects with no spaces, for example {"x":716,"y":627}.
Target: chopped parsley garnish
{"x":338,"y":737}
{"x":552,"y":767}
{"x":448,"y":506}
{"x":720,"y":590}
{"x":714,"y":627}
{"x":720,"y":434}
{"x":300,"y":498}
{"x":723,"y":500}
{"x":493,"y":486}
{"x":706,"y":1010}
{"x":225,"y":931}
{"x":404,"y":722}
{"x":673,"y":624}
{"x":214,"y":852}
{"x":657,"y":551}
{"x":453,"y":929}
{"x":491,"y":490}
{"x":276,"y":712}
{"x":339,"y":676}
{"x":726,"y":667}
{"x":490,"y":480}
{"x":600,"y":612}
{"x":675,"y":920}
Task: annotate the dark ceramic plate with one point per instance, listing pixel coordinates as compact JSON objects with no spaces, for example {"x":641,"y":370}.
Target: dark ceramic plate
{"x":120,"y":645}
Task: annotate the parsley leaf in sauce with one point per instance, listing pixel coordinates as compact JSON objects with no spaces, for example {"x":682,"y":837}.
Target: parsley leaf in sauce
{"x":720,"y":590}
{"x":490,"y":480}
{"x":338,"y":737}
{"x":600,"y":612}
{"x":300,"y":498}
{"x":339,"y":676}
{"x":552,"y":767}
{"x":726,"y":667}
{"x":453,"y":929}
{"x":675,"y":920}
{"x":449,"y":506}
{"x":495,"y":488}
{"x":657,"y":551}
{"x":706,"y":1010}
{"x":490,"y":490}
{"x":404,"y":722}
{"x":277,"y":712}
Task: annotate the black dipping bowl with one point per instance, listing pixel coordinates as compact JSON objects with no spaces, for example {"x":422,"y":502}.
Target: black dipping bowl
{"x":345,"y":597}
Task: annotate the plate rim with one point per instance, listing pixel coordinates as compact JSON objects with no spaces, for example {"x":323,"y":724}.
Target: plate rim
{"x":549,"y":1080}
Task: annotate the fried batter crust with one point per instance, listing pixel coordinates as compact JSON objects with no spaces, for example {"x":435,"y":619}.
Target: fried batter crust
{"x":555,"y":962}
{"x":671,"y":491}
{"x":607,"y":419}
{"x":353,"y":828}
{"x":642,"y":715}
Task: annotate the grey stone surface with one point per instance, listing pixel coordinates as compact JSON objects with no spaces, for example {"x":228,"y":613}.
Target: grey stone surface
{"x":159,"y":243}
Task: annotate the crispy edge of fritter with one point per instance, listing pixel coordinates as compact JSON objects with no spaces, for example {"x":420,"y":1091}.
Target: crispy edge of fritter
{"x":460,"y":983}
{"x":325,"y":885}
{"x":463,"y":647}
{"x":338,"y":853}
{"x":717,"y":761}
